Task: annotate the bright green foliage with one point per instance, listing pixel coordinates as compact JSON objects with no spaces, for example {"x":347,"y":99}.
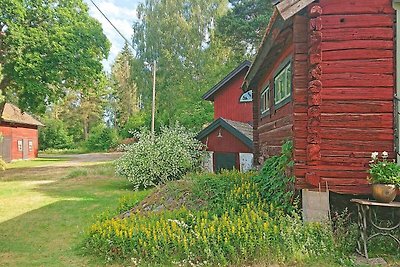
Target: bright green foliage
{"x":173,"y":153}
{"x":54,"y":135}
{"x":48,"y":46}
{"x":384,"y":171}
{"x":243,"y":27}
{"x":275,"y":181}
{"x":237,"y":227}
{"x":133,"y":124}
{"x":101,"y":138}
{"x":124,"y":88}
{"x":179,"y":35}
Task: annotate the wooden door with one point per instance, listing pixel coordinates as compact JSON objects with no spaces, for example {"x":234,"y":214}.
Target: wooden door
{"x":226,"y":161}
{"x":5,"y":149}
{"x":25,"y":149}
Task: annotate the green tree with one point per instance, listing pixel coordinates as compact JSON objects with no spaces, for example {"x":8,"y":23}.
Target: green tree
{"x":244,"y":25}
{"x":124,"y":87}
{"x":179,"y":35}
{"x":54,"y":135}
{"x":47,"y":46}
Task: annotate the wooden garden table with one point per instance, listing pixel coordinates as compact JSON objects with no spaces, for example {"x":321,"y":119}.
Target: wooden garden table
{"x":367,"y":221}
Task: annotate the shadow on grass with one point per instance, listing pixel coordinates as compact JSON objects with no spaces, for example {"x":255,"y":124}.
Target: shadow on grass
{"x":50,"y":235}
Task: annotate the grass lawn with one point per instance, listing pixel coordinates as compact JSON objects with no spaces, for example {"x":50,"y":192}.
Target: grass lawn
{"x":38,"y":162}
{"x":45,"y":211}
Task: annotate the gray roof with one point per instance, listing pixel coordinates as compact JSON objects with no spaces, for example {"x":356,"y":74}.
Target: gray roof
{"x":245,"y":128}
{"x":241,"y":130}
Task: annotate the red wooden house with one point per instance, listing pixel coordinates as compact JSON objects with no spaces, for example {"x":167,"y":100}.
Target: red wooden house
{"x":325,"y":77}
{"x":229,"y":139}
{"x":20,"y":134}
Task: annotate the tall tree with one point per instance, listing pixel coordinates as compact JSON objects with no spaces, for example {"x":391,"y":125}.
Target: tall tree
{"x":179,"y":35}
{"x":47,"y":46}
{"x":124,"y":87}
{"x":244,"y":25}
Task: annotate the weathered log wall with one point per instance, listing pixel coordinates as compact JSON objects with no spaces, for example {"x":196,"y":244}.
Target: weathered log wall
{"x":343,"y":111}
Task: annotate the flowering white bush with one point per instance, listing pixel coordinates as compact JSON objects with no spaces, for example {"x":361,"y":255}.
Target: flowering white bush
{"x":173,"y":153}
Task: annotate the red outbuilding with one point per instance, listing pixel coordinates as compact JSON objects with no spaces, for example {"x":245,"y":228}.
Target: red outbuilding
{"x":229,"y":139}
{"x":325,"y":77}
{"x":20,"y":134}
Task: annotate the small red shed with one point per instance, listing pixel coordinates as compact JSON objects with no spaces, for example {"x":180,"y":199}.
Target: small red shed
{"x":229,"y":139}
{"x":325,"y":78}
{"x":20,"y":134}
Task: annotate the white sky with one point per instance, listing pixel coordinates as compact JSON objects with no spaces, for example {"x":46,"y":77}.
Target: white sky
{"x":122,"y":14}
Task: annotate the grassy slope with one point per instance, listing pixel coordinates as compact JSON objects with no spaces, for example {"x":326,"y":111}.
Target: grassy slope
{"x":47,"y":213}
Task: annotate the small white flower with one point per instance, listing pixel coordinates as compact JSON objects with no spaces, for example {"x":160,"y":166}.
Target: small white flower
{"x":385,"y":155}
{"x":374,"y":155}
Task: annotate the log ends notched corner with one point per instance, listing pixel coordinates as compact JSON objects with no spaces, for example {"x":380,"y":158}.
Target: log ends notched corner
{"x":314,"y":100}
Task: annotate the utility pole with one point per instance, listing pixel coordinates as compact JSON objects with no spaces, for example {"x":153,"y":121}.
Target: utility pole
{"x":153,"y":108}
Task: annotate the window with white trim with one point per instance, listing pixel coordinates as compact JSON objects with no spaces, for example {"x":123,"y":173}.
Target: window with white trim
{"x":264,"y":100}
{"x":246,"y":97}
{"x":283,"y":84}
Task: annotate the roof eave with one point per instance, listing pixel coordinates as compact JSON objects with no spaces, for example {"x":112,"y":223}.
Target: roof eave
{"x":209,"y":95}
{"x":220,"y":122}
{"x":283,"y":11}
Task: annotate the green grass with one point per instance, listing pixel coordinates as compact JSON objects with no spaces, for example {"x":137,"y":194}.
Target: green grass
{"x":39,"y":162}
{"x":43,"y":215}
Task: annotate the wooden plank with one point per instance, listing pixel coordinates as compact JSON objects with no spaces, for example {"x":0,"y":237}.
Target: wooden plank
{"x":289,"y":8}
{"x":370,"y":134}
{"x":358,"y":93}
{"x":353,"y":120}
{"x":357,"y":44}
{"x":357,"y":106}
{"x":346,"y":145}
{"x":288,"y":120}
{"x":370,"y":66}
{"x":357,"y":54}
{"x":356,"y":21}
{"x":330,"y":7}
{"x":347,"y":34}
{"x":357,"y":80}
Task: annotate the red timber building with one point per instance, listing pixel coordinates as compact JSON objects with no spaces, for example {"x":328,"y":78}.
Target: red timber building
{"x":229,"y":139}
{"x":324,"y":77}
{"x":20,"y":134}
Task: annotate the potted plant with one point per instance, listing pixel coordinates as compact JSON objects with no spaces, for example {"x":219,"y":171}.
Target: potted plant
{"x":384,"y":176}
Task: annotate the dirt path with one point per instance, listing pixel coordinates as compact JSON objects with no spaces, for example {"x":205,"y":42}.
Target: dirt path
{"x":83,"y":159}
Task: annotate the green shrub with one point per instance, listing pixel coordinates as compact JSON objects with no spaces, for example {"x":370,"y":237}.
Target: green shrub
{"x":237,"y":227}
{"x":134,"y":123}
{"x":173,"y":153}
{"x":275,"y":179}
{"x":101,"y":138}
{"x":54,"y":135}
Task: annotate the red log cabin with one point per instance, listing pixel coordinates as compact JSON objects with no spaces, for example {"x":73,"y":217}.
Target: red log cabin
{"x":20,"y":134}
{"x":229,"y":139}
{"x":325,"y":78}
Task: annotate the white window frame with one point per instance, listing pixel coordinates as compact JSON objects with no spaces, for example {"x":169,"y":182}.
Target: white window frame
{"x":283,"y":84}
{"x":248,"y":93}
{"x":264,"y":100}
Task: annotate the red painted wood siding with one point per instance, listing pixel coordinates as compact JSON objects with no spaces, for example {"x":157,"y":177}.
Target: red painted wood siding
{"x":20,"y":132}
{"x":275,"y":127}
{"x":226,"y":101}
{"x":357,"y":92}
{"x":226,"y":143}
{"x":300,"y":91}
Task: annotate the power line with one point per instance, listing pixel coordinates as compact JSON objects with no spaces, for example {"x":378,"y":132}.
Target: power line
{"x":104,"y":15}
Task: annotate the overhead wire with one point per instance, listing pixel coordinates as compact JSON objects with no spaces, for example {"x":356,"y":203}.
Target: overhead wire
{"x":109,"y":21}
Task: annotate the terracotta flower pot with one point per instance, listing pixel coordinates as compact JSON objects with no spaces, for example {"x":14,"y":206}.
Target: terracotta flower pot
{"x":384,"y":193}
